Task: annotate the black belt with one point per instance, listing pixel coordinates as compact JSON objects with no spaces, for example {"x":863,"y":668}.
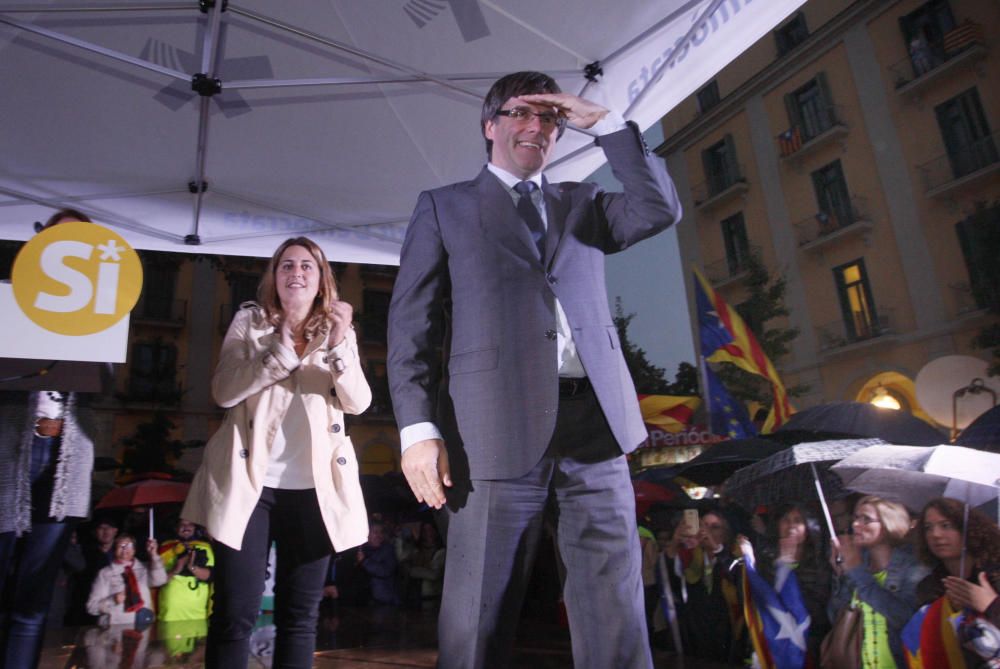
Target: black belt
{"x":571,"y":387}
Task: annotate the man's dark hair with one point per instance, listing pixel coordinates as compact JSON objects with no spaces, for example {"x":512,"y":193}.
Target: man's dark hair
{"x":61,"y":216}
{"x":512,"y":86}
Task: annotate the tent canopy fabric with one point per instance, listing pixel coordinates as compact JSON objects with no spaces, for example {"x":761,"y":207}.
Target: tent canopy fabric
{"x":328,"y":117}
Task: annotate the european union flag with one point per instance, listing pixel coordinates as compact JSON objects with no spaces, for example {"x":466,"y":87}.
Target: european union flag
{"x":783,"y":617}
{"x":728,"y":416}
{"x":712,"y":331}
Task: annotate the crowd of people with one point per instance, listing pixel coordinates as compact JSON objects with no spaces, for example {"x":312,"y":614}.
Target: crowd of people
{"x":873,"y":597}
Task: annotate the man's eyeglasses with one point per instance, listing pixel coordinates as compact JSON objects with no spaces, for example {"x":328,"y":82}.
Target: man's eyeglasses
{"x":523,"y":115}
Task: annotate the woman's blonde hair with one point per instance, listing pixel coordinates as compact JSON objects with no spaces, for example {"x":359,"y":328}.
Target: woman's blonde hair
{"x":318,"y":320}
{"x":894,"y":517}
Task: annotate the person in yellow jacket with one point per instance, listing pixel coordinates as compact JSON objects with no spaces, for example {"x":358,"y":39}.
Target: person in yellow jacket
{"x":188,"y":560}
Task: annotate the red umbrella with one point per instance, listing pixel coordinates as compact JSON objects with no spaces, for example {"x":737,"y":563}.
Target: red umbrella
{"x":145,"y":493}
{"x":648,"y":493}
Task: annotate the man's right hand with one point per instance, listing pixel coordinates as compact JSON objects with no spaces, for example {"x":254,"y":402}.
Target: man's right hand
{"x":425,"y":465}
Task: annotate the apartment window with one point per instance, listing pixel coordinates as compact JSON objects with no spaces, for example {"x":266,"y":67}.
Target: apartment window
{"x":923,"y":33}
{"x":790,"y":35}
{"x":158,"y":282}
{"x":979,"y":239}
{"x":153,"y":371}
{"x":810,"y":108}
{"x":856,"y":304}
{"x":375,"y":317}
{"x":378,"y":380}
{"x":832,"y":197}
{"x":721,"y":169}
{"x":966,"y":133}
{"x":734,"y":236}
{"x":708,"y":96}
{"x":242,"y":288}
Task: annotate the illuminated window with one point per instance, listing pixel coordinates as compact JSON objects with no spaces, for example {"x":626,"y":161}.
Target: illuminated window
{"x":856,"y":304}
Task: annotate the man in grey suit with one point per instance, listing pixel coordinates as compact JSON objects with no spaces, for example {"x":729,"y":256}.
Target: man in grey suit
{"x":503,"y":277}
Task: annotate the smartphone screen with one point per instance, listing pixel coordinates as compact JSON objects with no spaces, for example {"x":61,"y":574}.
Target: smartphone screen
{"x":692,"y":521}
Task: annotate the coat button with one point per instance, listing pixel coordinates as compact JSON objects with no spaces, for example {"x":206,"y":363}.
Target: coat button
{"x":550,"y":334}
{"x":326,"y":358}
{"x":251,"y":423}
{"x":333,"y":392}
{"x":342,"y":460}
{"x":244,"y":453}
{"x":335,"y":428}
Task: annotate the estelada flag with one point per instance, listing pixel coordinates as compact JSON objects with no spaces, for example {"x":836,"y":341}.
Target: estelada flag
{"x":725,"y":337}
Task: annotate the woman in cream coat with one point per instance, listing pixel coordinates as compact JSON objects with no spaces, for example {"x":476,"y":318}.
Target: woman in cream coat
{"x":281,"y":466}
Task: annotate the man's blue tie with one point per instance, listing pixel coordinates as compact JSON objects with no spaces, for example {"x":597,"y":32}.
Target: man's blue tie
{"x":529,"y":213}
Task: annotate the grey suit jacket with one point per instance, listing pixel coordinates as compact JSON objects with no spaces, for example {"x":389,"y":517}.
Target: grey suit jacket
{"x":469,"y":272}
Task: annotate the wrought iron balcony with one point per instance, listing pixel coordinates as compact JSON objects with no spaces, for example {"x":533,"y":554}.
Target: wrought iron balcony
{"x":731,"y":268}
{"x":150,"y":310}
{"x":825,"y":226}
{"x":818,"y":126}
{"x":842,"y":333}
{"x":928,"y":62}
{"x":961,"y":166}
{"x":719,"y":187}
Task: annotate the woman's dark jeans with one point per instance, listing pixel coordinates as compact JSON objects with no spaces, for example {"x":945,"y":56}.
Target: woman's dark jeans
{"x":290,"y":518}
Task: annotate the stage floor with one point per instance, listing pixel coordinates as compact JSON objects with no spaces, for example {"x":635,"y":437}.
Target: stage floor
{"x":348,"y":638}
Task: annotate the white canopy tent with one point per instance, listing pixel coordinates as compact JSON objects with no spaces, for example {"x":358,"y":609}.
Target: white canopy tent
{"x":323,"y":118}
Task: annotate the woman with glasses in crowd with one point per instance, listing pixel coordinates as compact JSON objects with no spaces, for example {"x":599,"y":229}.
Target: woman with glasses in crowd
{"x":876,"y":571}
{"x":281,"y":466}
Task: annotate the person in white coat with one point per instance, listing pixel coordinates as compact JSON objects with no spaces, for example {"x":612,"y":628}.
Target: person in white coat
{"x":121,"y":593}
{"x":281,"y":467}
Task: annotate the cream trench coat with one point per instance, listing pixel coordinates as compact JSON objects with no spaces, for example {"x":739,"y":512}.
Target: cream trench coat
{"x":255,"y":382}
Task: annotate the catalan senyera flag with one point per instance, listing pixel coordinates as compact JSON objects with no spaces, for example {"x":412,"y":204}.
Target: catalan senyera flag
{"x":929,"y":639}
{"x":671,"y":413}
{"x":726,"y":338}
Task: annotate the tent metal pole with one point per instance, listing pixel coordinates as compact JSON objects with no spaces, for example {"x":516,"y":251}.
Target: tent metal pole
{"x":23,"y":9}
{"x":274,"y":23}
{"x":209,"y":62}
{"x":110,"y":53}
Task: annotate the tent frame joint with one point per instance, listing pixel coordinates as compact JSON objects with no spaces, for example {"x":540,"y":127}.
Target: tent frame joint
{"x":205,"y":86}
{"x":204,"y":6}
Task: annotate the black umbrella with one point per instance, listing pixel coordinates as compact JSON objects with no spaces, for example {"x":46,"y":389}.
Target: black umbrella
{"x":983,"y":433}
{"x":862,"y":420}
{"x":721,"y":460}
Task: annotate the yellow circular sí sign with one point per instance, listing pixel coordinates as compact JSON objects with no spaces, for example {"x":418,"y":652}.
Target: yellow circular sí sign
{"x":76,"y":278}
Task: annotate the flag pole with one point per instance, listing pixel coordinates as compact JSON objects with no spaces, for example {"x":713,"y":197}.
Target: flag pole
{"x":703,"y":385}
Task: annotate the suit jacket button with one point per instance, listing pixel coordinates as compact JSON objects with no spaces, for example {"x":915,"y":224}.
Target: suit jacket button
{"x":552,"y":279}
{"x":342,"y":460}
{"x":244,"y":454}
{"x":550,"y":334}
{"x":335,"y":428}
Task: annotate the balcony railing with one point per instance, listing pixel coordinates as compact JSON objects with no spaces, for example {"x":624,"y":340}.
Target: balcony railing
{"x":730,"y":268}
{"x":719,"y":187}
{"x":825,"y":225}
{"x":928,"y":61}
{"x":962,"y":165}
{"x":966,"y":302}
{"x":167,"y":312}
{"x":818,"y":125}
{"x":839,"y":334}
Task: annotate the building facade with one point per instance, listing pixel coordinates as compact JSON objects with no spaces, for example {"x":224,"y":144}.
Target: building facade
{"x":855,"y":152}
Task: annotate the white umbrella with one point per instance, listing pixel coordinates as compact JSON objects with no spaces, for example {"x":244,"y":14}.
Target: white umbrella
{"x":913,"y":475}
